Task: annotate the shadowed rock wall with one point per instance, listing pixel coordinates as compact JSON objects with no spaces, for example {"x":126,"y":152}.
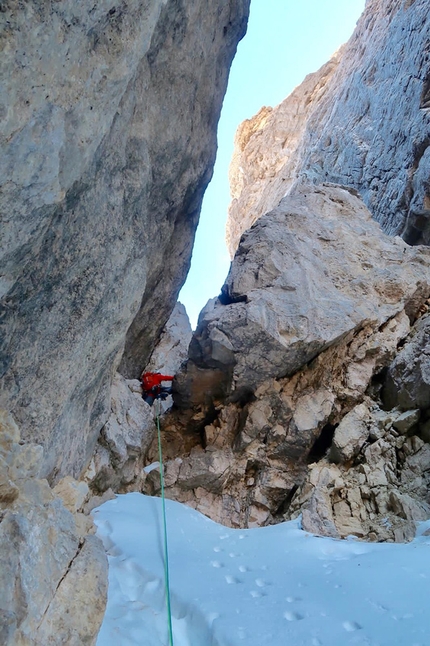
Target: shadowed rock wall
{"x":109,"y":114}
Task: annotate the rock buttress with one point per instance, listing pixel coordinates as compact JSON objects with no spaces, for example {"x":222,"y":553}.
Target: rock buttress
{"x":109,"y":133}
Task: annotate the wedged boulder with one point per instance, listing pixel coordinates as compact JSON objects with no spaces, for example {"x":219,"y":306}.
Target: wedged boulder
{"x":312,"y":271}
{"x":96,"y":238}
{"x":283,"y":364}
{"x":53,"y":572}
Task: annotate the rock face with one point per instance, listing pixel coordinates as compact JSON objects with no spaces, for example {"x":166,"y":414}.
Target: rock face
{"x":172,"y":348}
{"x":265,"y":160}
{"x":380,"y":487}
{"x":362,"y":120}
{"x":125,"y":439}
{"x":108,"y":122}
{"x":309,"y":273}
{"x":289,"y":363}
{"x":53,"y":574}
{"x":299,"y":395}
{"x":408,"y":380}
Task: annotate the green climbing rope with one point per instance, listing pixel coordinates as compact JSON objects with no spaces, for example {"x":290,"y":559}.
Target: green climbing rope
{"x":166,"y":552}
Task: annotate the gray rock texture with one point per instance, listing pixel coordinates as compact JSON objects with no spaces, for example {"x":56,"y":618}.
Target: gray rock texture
{"x":408,"y":379}
{"x":124,"y":440}
{"x":172,"y":348}
{"x":350,"y":435}
{"x":362,"y":120}
{"x":280,"y":400}
{"x":305,"y":275}
{"x":53,"y":573}
{"x":282,"y":367}
{"x":108,"y":133}
{"x":130,"y":430}
{"x":381,"y":494}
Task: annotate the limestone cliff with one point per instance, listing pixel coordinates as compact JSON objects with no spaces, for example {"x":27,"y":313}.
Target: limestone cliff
{"x":362,"y":120}
{"x":306,"y":387}
{"x":290,"y":362}
{"x":108,"y":133}
{"x":108,"y":117}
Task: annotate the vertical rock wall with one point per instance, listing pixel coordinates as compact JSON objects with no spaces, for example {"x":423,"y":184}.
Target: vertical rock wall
{"x":108,"y":132}
{"x":53,"y":572}
{"x":362,"y":120}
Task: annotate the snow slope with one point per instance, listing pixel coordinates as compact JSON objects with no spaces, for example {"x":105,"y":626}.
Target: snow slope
{"x":276,"y":586}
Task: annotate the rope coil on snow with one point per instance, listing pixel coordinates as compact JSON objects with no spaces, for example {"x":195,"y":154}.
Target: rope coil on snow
{"x":166,"y":553}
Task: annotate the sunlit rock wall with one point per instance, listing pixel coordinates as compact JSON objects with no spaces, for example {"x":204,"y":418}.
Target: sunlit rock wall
{"x":362,"y":120}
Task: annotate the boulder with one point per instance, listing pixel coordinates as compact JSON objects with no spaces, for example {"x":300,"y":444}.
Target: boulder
{"x":351,"y":434}
{"x":282,"y":367}
{"x":73,"y":493}
{"x":407,"y":420}
{"x":312,"y":271}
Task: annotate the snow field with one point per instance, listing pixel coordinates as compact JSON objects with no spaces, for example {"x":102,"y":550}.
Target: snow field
{"x":275,"y":585}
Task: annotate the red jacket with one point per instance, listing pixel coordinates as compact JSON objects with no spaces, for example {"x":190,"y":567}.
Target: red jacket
{"x":151,"y":380}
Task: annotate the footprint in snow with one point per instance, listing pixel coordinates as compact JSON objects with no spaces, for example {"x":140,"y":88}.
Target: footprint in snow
{"x":211,"y":617}
{"x":257,"y":594}
{"x":244,"y":568}
{"x":261,"y":583}
{"x":104,"y":528}
{"x":351,"y":626}
{"x":241,"y":633}
{"x":114,"y":551}
{"x":376,"y":605}
{"x":293,"y":616}
{"x":232,"y":579}
{"x":217,"y":564}
{"x":293,"y":599}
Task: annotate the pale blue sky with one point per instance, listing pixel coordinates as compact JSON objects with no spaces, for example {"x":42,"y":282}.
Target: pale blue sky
{"x":285,"y":41}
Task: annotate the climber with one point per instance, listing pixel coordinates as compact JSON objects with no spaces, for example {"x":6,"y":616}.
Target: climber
{"x":153,"y":388}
